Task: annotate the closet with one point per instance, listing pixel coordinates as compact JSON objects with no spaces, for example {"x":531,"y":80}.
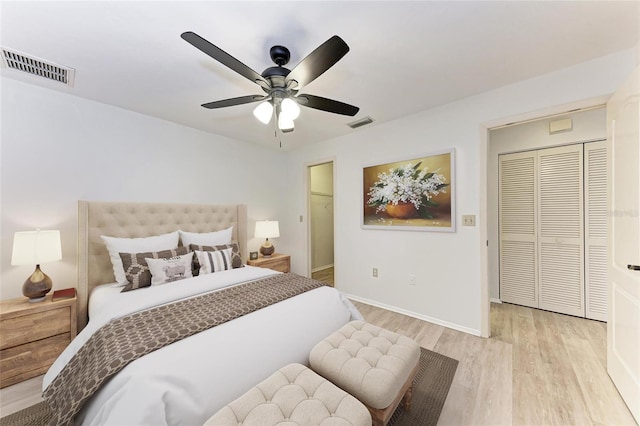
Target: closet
{"x":552,"y":227}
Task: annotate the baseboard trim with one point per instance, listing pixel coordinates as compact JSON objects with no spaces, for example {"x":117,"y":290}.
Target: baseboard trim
{"x":432,"y":320}
{"x":495,"y":300}
{"x":321,"y":268}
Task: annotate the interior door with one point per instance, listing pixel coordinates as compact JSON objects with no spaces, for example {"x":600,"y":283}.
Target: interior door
{"x":517,"y":220}
{"x":595,"y":230}
{"x":623,"y":328}
{"x":560,"y":230}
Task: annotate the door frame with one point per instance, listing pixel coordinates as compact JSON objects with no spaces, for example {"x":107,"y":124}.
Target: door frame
{"x":307,"y":189}
{"x":486,"y":241}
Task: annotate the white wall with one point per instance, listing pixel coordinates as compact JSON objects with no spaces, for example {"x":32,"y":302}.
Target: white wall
{"x":57,"y":149}
{"x":449,"y":274}
{"x":587,"y":126}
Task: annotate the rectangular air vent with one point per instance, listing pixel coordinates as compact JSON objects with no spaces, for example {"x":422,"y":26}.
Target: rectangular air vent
{"x":15,"y":60}
{"x":360,"y":123}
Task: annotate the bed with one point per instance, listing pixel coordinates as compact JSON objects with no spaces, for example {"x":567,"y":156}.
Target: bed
{"x":189,"y":380}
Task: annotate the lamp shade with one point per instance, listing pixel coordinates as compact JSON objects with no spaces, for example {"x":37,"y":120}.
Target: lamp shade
{"x":263,"y":112}
{"x":267,"y":229}
{"x":285,"y":122}
{"x":290,"y":108}
{"x":36,"y":247}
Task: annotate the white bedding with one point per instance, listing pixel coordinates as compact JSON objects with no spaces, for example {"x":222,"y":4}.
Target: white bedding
{"x":187,"y":381}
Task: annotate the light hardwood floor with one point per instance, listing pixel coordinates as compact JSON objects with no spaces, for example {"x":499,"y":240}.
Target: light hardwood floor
{"x":538,"y":368}
{"x":324,"y":275}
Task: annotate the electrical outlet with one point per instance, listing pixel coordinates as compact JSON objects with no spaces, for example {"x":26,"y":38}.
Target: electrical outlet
{"x":375,"y":272}
{"x":412,"y":279}
{"x":300,"y":218}
{"x":468,"y":220}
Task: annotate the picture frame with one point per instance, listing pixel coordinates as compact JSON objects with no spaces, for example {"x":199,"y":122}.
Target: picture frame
{"x":253,"y":255}
{"x":410,"y":194}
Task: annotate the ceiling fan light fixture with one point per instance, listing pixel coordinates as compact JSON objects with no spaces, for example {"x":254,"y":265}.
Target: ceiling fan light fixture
{"x":280,"y":84}
{"x":263,"y":112}
{"x":290,"y":108}
{"x":285,"y":122}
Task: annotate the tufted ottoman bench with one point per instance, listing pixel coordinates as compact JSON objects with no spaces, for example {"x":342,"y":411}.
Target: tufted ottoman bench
{"x":293,"y":395}
{"x":375,"y":365}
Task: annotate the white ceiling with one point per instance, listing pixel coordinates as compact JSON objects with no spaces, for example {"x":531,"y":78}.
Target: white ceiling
{"x":405,"y":56}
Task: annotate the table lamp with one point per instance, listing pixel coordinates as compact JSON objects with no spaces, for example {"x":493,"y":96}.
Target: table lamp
{"x":36,"y":247}
{"x":267,"y":229}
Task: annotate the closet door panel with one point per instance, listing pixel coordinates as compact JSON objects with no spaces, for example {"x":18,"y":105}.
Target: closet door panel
{"x":517,"y":223}
{"x":595,"y":238}
{"x":560,"y":230}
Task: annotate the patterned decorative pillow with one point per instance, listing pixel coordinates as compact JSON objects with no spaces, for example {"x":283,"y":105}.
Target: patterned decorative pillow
{"x":171,"y":269}
{"x":236,"y":257}
{"x":136,"y":269}
{"x":116,"y":245}
{"x":214,"y":261}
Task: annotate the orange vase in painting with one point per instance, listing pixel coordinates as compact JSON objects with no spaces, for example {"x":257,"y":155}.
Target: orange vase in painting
{"x":402,"y":210}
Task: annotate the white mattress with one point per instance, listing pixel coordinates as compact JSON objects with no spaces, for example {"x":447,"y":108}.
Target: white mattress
{"x":186,"y":382}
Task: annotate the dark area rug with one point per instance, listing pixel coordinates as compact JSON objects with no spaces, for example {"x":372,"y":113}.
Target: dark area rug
{"x":36,"y":415}
{"x":430,"y":389}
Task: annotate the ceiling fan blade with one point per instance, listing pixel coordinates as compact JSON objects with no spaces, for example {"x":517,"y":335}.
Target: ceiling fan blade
{"x":223,"y":57}
{"x":234,"y":101}
{"x":318,"y":61}
{"x":328,"y":105}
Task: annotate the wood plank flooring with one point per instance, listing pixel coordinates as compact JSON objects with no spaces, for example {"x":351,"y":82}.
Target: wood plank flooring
{"x":538,"y":368}
{"x":324,"y":275}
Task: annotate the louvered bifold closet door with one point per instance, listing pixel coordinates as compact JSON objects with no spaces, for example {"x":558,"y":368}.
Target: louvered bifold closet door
{"x":517,"y":222}
{"x":560,"y":230}
{"x":595,"y":227}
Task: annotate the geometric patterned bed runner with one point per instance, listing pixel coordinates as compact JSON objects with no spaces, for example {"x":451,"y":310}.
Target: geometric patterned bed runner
{"x":125,"y":339}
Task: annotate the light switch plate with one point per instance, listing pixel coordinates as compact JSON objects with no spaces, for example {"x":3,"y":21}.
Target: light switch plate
{"x":468,"y":220}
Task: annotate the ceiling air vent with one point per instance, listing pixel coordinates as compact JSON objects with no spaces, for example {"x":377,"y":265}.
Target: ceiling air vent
{"x":360,"y":123}
{"x":22,"y":62}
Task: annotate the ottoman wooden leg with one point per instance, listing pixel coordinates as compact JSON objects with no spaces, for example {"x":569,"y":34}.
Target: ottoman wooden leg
{"x":381,"y":416}
{"x":377,"y":417}
{"x":406,"y":400}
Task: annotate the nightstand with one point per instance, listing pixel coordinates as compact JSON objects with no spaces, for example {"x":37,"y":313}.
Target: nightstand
{"x":32,"y":335}
{"x":277,"y":262}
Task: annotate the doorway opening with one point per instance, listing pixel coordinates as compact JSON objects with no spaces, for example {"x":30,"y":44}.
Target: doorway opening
{"x":321,"y":204}
{"x":583,"y":121}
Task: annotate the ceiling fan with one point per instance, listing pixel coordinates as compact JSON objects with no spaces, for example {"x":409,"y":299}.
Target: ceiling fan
{"x":281,"y":85}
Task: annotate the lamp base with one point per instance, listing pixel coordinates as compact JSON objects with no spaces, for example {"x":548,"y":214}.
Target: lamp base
{"x":267,"y":249}
{"x":37,"y":286}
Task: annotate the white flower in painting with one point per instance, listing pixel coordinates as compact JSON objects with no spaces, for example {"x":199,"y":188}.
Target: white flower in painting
{"x":406,"y":184}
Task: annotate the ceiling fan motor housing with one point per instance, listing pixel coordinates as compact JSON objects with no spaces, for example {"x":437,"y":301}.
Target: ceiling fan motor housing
{"x":280,"y":55}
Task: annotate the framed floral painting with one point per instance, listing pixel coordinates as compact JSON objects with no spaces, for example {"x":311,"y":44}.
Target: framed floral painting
{"x":416,"y":194}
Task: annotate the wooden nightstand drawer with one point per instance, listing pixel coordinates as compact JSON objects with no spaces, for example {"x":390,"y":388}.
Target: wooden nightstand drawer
{"x":32,"y":327}
{"x":32,"y":335}
{"x":277,"y":262}
{"x":30,"y":360}
{"x":281,"y":265}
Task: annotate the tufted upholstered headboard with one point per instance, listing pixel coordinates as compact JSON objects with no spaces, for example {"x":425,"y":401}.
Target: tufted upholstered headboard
{"x":133,"y":220}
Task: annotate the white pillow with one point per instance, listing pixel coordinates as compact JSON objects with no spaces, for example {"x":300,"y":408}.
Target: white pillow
{"x":115,"y":246}
{"x":170,"y":269}
{"x":214,"y":261}
{"x":206,"y":238}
